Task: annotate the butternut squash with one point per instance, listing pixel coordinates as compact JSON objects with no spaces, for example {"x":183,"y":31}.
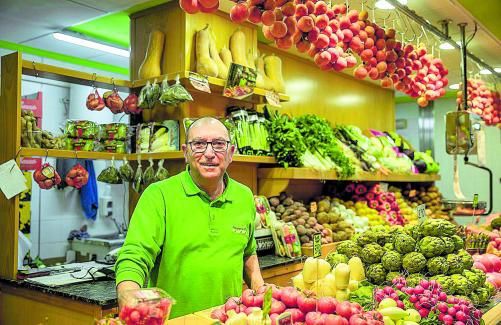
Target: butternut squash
{"x":273,"y":69}
{"x":226,"y":56}
{"x":238,"y":48}
{"x":222,"y":69}
{"x":251,"y":59}
{"x":150,"y":67}
{"x":262,"y":80}
{"x":205,"y":65}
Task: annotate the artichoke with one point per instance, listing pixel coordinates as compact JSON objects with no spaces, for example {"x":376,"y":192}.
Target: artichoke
{"x":466,"y":259}
{"x":437,"y":265}
{"x":392,"y":261}
{"x":414,"y":262}
{"x":414,"y":279}
{"x":477,"y":279}
{"x":461,"y":284}
{"x":483,"y":295}
{"x":474,"y":298}
{"x":437,"y":228}
{"x":458,"y":243}
{"x":490,"y":287}
{"x":431,"y":246}
{"x":449,"y":246}
{"x":376,"y":274}
{"x":372,"y":254}
{"x":389,"y":247}
{"x":348,"y":248}
{"x":392,"y":275}
{"x":335,"y":258}
{"x":446,"y":283}
{"x":455,"y":263}
{"x":413,"y":231}
{"x":367,"y":237}
{"x":404,"y":244}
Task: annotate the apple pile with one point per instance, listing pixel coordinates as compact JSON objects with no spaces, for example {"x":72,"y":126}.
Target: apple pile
{"x":482,"y":101}
{"x":304,"y":307}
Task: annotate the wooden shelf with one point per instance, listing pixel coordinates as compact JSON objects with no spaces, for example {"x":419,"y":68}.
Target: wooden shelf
{"x":216,"y":86}
{"x":311,"y":174}
{"x":72,"y":76}
{"x":170,"y":155}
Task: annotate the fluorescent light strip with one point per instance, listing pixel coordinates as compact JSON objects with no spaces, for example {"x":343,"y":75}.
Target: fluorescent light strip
{"x":498,"y":70}
{"x":91,"y":44}
{"x":446,"y":46}
{"x":385,"y":5}
{"x":454,"y":86}
{"x":485,"y":71}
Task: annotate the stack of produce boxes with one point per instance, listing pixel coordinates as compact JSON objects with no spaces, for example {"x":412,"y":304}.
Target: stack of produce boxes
{"x":113,"y":138}
{"x":80,"y":135}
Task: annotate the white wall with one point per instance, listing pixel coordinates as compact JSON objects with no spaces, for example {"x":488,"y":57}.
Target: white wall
{"x":472,"y":180}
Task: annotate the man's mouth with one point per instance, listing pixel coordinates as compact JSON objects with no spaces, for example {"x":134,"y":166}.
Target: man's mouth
{"x":209,"y":164}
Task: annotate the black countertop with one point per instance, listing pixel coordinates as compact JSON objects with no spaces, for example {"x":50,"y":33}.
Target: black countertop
{"x":103,"y":293}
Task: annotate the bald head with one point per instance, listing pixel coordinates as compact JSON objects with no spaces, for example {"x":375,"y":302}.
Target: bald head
{"x":207,"y":123}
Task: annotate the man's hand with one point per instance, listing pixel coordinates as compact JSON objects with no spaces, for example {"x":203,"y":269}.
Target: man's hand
{"x":122,"y":287}
{"x":252,"y":272}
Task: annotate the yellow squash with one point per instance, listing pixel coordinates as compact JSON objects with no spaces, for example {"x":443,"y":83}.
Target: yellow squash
{"x":153,"y":59}
{"x":205,"y":65}
{"x":238,"y":48}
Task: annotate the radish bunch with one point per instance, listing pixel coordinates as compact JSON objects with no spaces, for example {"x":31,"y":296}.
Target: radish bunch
{"x":482,"y":101}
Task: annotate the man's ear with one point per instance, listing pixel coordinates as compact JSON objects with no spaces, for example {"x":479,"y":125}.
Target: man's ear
{"x":184,"y":147}
{"x":231,"y":152}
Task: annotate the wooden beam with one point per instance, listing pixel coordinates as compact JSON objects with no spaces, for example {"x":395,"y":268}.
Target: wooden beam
{"x":10,"y":135}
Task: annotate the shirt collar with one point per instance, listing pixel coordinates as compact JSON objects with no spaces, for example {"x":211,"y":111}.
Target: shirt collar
{"x":190,"y":188}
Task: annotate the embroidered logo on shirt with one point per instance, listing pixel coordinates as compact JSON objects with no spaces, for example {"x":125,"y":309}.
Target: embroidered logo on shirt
{"x":240,"y":230}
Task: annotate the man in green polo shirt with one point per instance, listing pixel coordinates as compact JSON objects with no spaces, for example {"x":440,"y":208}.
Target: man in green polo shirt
{"x":193,"y":234}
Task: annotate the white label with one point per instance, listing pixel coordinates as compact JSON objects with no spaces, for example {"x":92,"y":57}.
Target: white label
{"x":383,"y":186}
{"x":12,"y":180}
{"x":200,"y":82}
{"x":421,"y":212}
{"x":272,"y":98}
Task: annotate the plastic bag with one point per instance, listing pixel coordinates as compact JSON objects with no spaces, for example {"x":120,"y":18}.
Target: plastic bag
{"x":110,"y":174}
{"x":141,"y":102}
{"x":137,"y":184}
{"x":179,"y":92}
{"x":152,"y":94}
{"x":162,"y":173}
{"x":126,"y":171}
{"x":149,"y":174}
{"x":167,"y":98}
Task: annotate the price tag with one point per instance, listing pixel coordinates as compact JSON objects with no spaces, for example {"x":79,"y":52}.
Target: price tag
{"x":267,"y":302}
{"x":384,"y":186}
{"x":317,"y":245}
{"x":272,"y":98}
{"x":199,"y":82}
{"x":421,"y":212}
{"x":475,"y":201}
{"x":313,"y":207}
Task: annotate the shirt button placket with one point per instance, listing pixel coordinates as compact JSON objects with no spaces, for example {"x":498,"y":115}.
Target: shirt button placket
{"x":212,"y":222}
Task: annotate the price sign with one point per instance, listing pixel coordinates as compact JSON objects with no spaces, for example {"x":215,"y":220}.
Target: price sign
{"x":199,"y":82}
{"x":421,"y":212}
{"x":241,"y":81}
{"x":475,"y":201}
{"x":313,"y":207}
{"x":267,"y":302}
{"x":272,"y":98}
{"x":383,"y":186}
{"x":317,"y":245}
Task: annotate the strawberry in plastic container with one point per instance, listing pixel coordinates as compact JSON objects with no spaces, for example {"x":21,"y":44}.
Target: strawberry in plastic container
{"x":46,"y":177}
{"x":77,"y":177}
{"x":150,"y":306}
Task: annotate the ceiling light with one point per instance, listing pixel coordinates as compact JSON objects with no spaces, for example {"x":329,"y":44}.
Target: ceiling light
{"x":446,"y":46}
{"x":454,"y":86}
{"x":485,"y":71}
{"x":91,"y":44}
{"x":382,"y":4}
{"x":498,"y":70}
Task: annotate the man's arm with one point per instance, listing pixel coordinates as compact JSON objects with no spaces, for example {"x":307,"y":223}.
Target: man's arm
{"x":252,"y":272}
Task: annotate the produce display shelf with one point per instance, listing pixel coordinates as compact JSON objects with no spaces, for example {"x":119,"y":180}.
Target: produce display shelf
{"x":73,"y":76}
{"x":174,"y":155}
{"x":312,"y":174}
{"x":216,"y":86}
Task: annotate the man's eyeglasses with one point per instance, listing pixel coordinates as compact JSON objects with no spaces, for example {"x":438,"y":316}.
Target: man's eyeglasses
{"x":199,"y":146}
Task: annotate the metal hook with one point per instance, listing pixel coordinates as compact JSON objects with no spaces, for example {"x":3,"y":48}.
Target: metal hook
{"x":93,"y":80}
{"x":76,"y":155}
{"x":113,"y":83}
{"x":46,"y":155}
{"x":35,"y":68}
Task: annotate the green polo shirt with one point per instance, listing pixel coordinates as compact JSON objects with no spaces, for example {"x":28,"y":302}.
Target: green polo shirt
{"x":187,"y":244}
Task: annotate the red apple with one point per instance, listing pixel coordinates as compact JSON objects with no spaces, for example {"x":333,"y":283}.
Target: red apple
{"x":327,"y":305}
{"x":277,"y":307}
{"x":250,"y":298}
{"x":289,"y":297}
{"x":239,"y":12}
{"x":297,"y":314}
{"x":307,"y":302}
{"x":189,"y":6}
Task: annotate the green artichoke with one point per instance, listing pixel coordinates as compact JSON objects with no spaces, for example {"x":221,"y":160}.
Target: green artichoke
{"x":476,"y":279}
{"x":466,"y":259}
{"x":392,"y":275}
{"x":461,"y":284}
{"x":490,"y":287}
{"x":392,"y":261}
{"x":455,"y":263}
{"x":458,"y":243}
{"x":483,"y":295}
{"x":404,"y":244}
{"x":446,"y":283}
{"x":449,"y":246}
{"x":348,"y":248}
{"x":414,"y":231}
{"x":414,"y":279}
{"x":335,"y":258}
{"x":414,"y":262}
{"x":437,"y":265}
{"x":431,"y":246}
{"x":367,"y":237}
{"x":437,"y":228}
{"x":389,"y":247}
{"x":372,"y":254}
{"x":376,"y":274}
{"x":474,"y":298}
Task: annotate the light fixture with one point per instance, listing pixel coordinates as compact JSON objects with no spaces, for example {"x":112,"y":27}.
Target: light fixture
{"x":454,"y":86}
{"x":498,"y":70}
{"x":91,"y":44}
{"x":446,"y":46}
{"x":382,"y":4}
{"x":485,"y":71}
